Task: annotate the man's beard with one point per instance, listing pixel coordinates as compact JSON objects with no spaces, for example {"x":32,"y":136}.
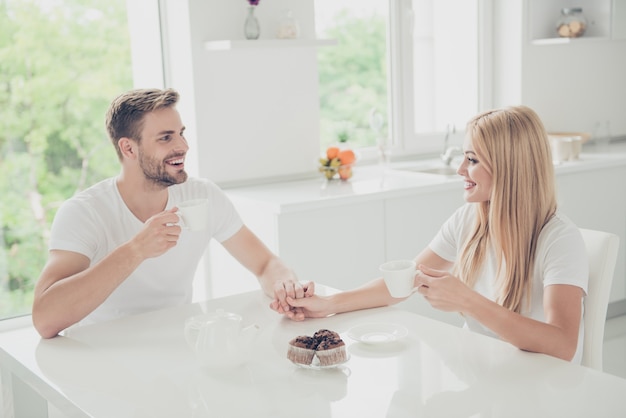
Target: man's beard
{"x":155,"y":171}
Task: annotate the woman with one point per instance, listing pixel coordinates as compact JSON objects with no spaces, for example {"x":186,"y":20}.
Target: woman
{"x":507,"y":260}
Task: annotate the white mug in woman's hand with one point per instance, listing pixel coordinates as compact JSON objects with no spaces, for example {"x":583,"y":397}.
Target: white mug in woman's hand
{"x":194,"y":214}
{"x":399,"y":276}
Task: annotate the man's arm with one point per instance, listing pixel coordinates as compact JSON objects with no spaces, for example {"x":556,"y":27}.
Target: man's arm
{"x":69,"y":288}
{"x":277,"y":280}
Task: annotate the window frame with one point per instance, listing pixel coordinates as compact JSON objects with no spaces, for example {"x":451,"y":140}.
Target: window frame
{"x":147,"y":31}
{"x":400,"y":47}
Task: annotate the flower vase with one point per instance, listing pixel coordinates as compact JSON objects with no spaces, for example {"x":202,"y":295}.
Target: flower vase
{"x":251,"y":28}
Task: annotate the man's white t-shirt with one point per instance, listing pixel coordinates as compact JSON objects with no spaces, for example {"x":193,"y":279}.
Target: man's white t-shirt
{"x":561,"y":258}
{"x":97,"y":221}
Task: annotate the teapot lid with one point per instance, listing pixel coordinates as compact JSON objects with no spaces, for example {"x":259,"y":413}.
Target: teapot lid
{"x":218,"y":317}
{"x":221,"y":314}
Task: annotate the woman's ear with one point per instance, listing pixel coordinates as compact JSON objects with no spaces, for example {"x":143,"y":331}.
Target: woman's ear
{"x":127,"y":147}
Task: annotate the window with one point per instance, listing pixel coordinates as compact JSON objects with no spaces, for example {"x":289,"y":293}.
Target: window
{"x":436,"y":86}
{"x":61,"y":63}
{"x":415,"y":61}
{"x":353,"y":74}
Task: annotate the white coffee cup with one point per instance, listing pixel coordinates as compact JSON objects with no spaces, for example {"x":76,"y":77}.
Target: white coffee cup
{"x":577,"y":145}
{"x":561,"y":149}
{"x":399,"y":276}
{"x":194,"y":214}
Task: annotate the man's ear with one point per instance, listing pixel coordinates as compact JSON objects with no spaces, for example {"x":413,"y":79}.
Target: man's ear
{"x":128,"y":147}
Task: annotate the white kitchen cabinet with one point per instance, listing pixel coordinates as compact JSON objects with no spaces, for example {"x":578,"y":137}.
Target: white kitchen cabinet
{"x":596,"y":199}
{"x":339,"y":246}
{"x":411,"y":222}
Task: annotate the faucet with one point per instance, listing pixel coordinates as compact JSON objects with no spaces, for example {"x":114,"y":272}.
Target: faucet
{"x":449,"y":152}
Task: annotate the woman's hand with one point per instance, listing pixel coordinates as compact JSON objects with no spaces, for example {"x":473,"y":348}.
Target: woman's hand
{"x":313,"y":306}
{"x":442,"y":290}
{"x":286,"y":291}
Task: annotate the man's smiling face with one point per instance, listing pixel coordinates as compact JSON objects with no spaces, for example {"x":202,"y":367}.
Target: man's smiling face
{"x":162,"y":149}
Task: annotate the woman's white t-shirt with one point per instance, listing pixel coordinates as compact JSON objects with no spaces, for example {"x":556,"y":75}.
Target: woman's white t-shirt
{"x":97,"y":221}
{"x":561,"y":258}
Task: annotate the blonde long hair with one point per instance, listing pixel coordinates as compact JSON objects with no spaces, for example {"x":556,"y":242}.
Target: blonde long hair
{"x":513,"y":146}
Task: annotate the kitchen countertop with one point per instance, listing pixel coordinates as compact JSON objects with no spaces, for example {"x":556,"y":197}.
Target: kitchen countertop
{"x":372,"y":182}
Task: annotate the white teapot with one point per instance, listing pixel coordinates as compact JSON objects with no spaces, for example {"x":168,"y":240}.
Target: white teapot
{"x":218,"y":338}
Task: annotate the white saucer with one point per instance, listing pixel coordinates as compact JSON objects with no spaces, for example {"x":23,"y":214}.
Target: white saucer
{"x":377,"y":333}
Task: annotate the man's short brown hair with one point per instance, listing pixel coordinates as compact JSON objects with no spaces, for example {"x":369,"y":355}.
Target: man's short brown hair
{"x":125,"y":116}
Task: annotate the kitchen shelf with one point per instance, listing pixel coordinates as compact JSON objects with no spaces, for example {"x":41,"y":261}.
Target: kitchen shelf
{"x":557,"y":41}
{"x":542,"y":17}
{"x":230,"y":45}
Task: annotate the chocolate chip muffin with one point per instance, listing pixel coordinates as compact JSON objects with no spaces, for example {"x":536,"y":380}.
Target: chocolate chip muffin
{"x":331,"y":351}
{"x":301,"y":349}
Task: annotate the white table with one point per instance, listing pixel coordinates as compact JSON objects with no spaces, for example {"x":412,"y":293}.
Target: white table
{"x":140,"y":366}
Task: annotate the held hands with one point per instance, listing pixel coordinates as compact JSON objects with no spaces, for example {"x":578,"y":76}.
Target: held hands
{"x":442,"y":290}
{"x":159,"y":234}
{"x":312,"y":306}
{"x":285,"y":290}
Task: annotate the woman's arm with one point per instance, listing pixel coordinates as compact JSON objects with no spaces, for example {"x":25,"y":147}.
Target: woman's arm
{"x":371,"y":295}
{"x":558,"y":336}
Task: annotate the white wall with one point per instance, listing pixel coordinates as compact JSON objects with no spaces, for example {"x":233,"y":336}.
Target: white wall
{"x":573,"y":85}
{"x":251,"y":113}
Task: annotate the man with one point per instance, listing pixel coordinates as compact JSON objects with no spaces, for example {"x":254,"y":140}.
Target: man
{"x":117,"y":248}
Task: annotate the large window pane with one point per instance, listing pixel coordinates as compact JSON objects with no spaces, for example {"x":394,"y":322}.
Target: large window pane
{"x":61,"y":63}
{"x":445,"y":61}
{"x":436,"y":59}
{"x":428,"y":51}
{"x":353,"y":74}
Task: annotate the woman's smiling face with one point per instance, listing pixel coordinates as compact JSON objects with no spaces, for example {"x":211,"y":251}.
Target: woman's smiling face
{"x":478,"y":180}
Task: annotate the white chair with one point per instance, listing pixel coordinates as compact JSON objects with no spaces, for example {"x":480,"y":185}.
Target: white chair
{"x":602,"y":253}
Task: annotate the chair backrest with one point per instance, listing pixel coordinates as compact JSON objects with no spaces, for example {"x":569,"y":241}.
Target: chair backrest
{"x":602,"y":253}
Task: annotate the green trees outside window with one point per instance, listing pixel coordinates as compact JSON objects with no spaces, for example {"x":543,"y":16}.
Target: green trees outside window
{"x":61,"y":63}
{"x":352,"y":77}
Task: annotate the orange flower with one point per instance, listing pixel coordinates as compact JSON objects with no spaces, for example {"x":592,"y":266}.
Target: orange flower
{"x":332,"y":152}
{"x":346,"y":156}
